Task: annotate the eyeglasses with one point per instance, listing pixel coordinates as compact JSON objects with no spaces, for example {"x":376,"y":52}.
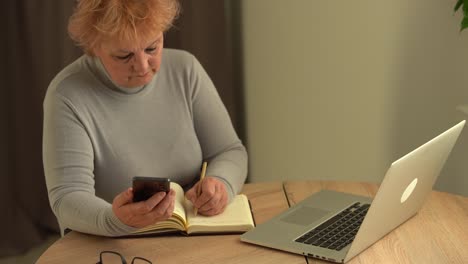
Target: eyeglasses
{"x":112,"y":257}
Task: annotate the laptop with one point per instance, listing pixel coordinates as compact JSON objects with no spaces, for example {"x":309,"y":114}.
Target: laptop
{"x":337,"y":226}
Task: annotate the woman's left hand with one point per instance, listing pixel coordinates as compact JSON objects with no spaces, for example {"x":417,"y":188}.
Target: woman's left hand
{"x":213,"y":198}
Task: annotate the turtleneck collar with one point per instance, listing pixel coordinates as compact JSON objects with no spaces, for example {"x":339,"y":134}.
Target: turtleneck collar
{"x":104,"y":76}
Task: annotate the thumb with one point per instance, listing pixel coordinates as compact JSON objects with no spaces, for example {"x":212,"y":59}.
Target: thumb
{"x":123,"y":198}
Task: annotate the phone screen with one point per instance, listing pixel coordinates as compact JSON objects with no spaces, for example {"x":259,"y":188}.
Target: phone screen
{"x":145,"y":187}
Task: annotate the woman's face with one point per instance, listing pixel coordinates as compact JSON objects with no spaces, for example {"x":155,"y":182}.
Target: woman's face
{"x":131,"y":64}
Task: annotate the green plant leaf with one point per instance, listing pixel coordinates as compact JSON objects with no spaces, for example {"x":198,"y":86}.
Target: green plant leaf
{"x":464,"y":23}
{"x":457,"y":6}
{"x":465,"y":7}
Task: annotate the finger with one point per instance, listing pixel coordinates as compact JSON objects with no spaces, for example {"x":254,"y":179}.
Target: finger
{"x":207,"y":193}
{"x":162,"y":210}
{"x":213,"y":202}
{"x":217,"y":207}
{"x":158,"y":213}
{"x":123,"y":198}
{"x":147,"y":206}
{"x":213,"y":211}
{"x":210,"y":212}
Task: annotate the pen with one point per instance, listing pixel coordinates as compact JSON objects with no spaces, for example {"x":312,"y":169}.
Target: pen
{"x":202,"y":176}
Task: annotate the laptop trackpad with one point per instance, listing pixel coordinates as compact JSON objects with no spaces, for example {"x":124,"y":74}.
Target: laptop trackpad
{"x":305,"y":215}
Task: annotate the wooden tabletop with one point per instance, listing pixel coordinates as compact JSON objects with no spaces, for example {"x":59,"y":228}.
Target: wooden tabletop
{"x":267,"y":200}
{"x":437,"y":234}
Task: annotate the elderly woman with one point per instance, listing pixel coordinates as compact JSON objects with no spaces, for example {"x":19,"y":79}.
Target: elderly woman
{"x":129,"y":107}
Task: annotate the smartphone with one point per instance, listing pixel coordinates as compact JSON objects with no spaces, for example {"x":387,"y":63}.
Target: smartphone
{"x":145,"y":187}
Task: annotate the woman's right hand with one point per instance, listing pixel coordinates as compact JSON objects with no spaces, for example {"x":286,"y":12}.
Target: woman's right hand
{"x":140,"y":214}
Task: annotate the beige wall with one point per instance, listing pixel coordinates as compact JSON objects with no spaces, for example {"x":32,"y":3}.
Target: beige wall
{"x":340,"y":89}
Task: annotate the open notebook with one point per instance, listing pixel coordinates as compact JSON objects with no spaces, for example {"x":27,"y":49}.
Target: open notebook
{"x":236,"y":218}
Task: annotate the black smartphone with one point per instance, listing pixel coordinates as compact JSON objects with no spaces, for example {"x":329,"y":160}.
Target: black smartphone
{"x":145,"y":187}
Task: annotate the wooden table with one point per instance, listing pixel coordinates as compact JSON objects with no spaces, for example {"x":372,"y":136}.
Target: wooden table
{"x":437,"y":234}
{"x":267,"y":200}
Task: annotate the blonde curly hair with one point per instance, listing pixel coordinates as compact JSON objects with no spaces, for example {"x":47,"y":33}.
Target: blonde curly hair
{"x":95,"y":21}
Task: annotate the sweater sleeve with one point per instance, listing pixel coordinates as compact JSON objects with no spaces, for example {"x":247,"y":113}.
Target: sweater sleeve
{"x":68,"y":167}
{"x":221,"y":147}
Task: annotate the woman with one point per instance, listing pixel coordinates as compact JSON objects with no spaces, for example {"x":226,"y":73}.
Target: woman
{"x":128,"y":107}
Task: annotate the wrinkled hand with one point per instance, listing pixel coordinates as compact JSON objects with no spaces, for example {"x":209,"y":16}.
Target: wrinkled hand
{"x":140,"y":214}
{"x":213,"y":198}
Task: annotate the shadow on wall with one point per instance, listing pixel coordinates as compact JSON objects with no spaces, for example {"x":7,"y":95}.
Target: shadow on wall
{"x":429,"y":85}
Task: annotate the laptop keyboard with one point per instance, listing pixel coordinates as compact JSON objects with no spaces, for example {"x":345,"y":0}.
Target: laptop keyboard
{"x":339,"y":231}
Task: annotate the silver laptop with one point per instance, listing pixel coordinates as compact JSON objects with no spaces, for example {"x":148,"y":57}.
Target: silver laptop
{"x":337,"y":226}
